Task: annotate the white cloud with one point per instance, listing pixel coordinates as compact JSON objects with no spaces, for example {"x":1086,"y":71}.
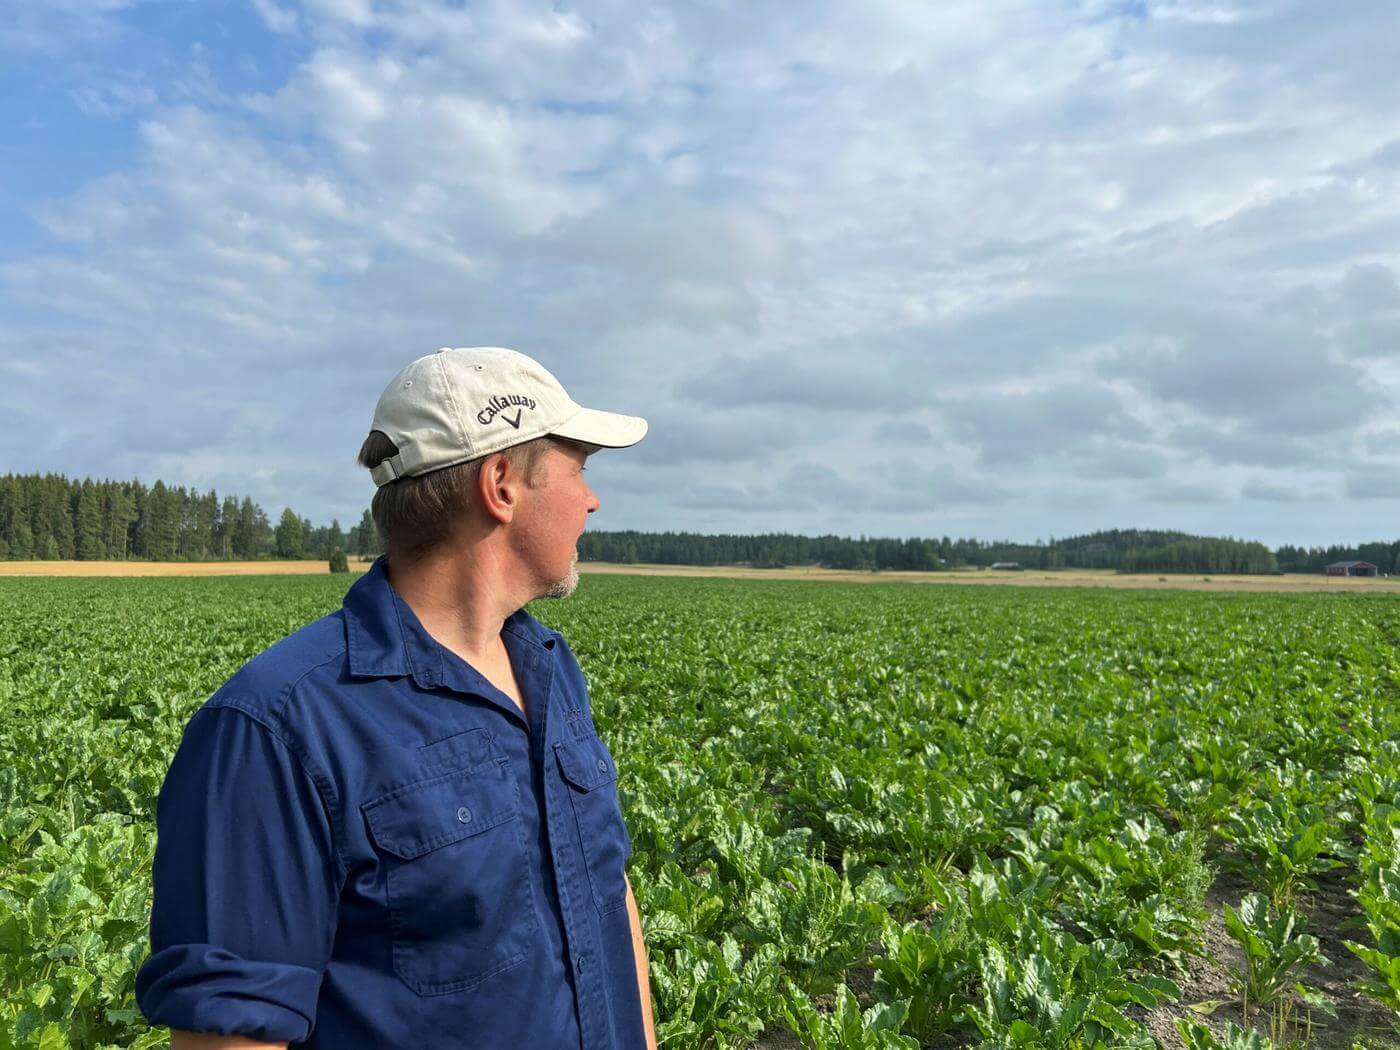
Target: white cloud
{"x":52,"y":25}
{"x":359,"y":13}
{"x":1073,"y":260}
{"x":277,"y":18}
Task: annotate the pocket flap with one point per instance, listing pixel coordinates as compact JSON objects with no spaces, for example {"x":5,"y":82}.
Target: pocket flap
{"x":586,"y":763}
{"x":464,"y":746}
{"x":425,"y":815}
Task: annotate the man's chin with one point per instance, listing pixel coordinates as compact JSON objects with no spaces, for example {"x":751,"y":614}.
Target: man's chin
{"x":564,"y":587}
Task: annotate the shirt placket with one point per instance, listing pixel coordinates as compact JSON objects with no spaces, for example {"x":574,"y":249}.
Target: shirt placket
{"x":569,"y":876}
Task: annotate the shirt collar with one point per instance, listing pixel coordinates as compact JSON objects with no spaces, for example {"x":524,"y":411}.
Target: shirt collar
{"x":384,"y":637}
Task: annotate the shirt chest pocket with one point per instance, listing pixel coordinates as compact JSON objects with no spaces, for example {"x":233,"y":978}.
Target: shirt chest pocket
{"x":452,"y":855}
{"x":592,"y":777}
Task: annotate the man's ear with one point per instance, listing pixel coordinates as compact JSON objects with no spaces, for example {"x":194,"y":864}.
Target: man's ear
{"x":498,"y":486}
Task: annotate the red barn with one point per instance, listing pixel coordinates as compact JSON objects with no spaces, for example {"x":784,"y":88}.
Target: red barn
{"x":1352,"y":568}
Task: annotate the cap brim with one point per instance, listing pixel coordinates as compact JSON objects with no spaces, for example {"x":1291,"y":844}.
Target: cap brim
{"x":604,"y":429}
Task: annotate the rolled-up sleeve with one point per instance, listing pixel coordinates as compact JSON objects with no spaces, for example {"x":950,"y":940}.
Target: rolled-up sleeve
{"x":246,"y":882}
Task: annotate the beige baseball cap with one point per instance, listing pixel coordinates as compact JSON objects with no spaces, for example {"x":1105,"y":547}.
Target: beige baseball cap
{"x":464,"y":402}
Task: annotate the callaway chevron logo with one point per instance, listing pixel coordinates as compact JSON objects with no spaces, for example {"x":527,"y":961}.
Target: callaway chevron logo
{"x":497,"y":407}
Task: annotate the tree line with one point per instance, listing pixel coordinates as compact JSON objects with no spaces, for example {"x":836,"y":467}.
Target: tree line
{"x":1128,"y":550}
{"x":52,"y":517}
{"x":1201,"y":554}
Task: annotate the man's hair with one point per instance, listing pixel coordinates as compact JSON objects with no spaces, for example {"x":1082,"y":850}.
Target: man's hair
{"x":415,"y":514}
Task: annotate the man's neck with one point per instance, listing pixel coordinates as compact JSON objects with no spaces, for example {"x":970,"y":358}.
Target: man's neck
{"x":460,"y":602}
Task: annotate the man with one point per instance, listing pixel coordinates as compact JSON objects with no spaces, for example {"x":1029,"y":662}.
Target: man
{"x":397,"y":826}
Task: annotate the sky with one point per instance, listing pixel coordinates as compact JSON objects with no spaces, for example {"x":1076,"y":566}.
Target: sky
{"x":1008,"y":268}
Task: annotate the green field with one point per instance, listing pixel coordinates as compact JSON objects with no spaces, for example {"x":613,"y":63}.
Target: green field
{"x":862,"y":816}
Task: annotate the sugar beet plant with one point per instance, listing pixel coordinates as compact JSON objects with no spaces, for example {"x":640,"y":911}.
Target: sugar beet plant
{"x":1275,"y":951}
{"x":862,"y":816}
{"x":1379,"y":892}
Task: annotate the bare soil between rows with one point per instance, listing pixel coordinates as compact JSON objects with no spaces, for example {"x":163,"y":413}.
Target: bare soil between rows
{"x":1326,"y":910}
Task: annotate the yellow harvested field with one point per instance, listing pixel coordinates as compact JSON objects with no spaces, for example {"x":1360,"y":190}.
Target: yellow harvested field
{"x":1030,"y":578}
{"x":169,"y":568}
{"x":1027,"y":578}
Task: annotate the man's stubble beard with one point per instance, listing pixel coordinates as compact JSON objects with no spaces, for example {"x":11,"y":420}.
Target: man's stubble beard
{"x":566,"y":586}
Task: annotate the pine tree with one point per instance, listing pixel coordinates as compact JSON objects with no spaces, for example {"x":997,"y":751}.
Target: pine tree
{"x":312,"y":540}
{"x":90,"y":545}
{"x":55,"y":518}
{"x":245,"y":533}
{"x":121,"y":520}
{"x":289,"y":535}
{"x":227,"y":525}
{"x":206,"y":516}
{"x":370,"y":545}
{"x":163,"y":523}
{"x":262,"y":533}
{"x":139,"y":498}
{"x":14,"y":520}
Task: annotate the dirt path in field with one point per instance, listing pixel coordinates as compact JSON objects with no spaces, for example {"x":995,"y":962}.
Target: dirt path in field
{"x":1056,"y":578}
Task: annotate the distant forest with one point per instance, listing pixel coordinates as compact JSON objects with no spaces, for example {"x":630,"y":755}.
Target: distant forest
{"x":50,"y":517}
{"x":1128,"y":550}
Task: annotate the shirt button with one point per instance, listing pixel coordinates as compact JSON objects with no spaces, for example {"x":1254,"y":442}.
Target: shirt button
{"x":464,"y":815}
{"x":582,"y":963}
{"x":603,"y":764}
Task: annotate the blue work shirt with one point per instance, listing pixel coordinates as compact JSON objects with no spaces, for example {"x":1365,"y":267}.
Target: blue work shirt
{"x":363,"y":843}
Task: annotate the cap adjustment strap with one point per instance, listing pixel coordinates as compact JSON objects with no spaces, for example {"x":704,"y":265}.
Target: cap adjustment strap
{"x":387,"y":470}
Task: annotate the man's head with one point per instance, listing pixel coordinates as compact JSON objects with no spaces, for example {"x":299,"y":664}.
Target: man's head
{"x":534,"y":490}
{"x":480,"y":448}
